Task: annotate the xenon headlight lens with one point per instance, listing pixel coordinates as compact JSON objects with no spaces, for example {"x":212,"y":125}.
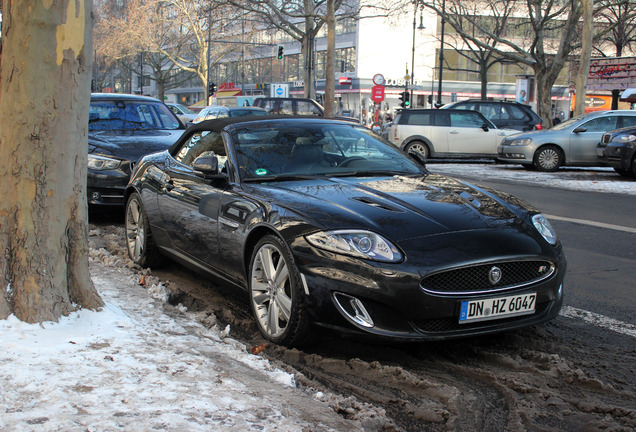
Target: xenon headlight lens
{"x":520,"y":141}
{"x":545,"y":229}
{"x":361,"y":244}
{"x":624,"y":138}
{"x":102,"y":163}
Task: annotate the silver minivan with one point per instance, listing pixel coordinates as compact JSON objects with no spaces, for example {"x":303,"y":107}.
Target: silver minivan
{"x":572,"y":142}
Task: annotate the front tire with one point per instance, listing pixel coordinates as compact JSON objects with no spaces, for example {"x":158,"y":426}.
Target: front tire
{"x":548,"y":158}
{"x":141,"y":246}
{"x":276,"y":294}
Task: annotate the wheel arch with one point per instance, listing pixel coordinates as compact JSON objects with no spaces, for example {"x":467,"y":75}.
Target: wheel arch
{"x":426,"y":141}
{"x":250,"y":243}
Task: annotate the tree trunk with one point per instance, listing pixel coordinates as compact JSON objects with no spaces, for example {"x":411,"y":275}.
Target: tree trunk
{"x":544,"y":96}
{"x":308,"y":53}
{"x":45,"y":75}
{"x":330,"y":79}
{"x":586,"y":54}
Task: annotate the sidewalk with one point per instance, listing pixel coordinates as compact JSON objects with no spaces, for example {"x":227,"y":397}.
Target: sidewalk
{"x":136,"y":367}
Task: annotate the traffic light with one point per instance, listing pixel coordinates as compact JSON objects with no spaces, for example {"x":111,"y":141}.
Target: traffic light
{"x":430,"y":100}
{"x":211,"y":88}
{"x":405,"y":99}
{"x":281,"y":50}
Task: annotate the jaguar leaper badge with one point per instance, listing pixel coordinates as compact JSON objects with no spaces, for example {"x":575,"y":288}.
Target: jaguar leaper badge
{"x":494,"y":275}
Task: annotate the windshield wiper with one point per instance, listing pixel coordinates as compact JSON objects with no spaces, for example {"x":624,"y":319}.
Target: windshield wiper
{"x":374,"y":173}
{"x":283,"y":177}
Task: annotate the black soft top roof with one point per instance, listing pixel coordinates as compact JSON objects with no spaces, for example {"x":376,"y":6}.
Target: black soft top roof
{"x":217,"y":125}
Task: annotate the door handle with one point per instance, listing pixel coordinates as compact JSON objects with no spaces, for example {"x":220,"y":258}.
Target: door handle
{"x":454,"y":132}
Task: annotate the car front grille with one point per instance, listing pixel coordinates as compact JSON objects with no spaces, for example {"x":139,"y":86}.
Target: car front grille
{"x":606,"y":139}
{"x":479,"y":278}
{"x":450,"y":324}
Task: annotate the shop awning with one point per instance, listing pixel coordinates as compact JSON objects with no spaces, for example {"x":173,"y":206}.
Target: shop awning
{"x":629,"y":95}
{"x":226,"y":93}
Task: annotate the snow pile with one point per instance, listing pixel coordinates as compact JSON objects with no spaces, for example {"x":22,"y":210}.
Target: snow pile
{"x":136,"y":365}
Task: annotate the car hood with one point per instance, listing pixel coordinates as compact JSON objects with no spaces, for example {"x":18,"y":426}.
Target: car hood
{"x":400,"y":207}
{"x":131,"y":144}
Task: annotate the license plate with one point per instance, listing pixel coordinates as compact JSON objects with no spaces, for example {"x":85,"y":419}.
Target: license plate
{"x":600,"y":152}
{"x":495,"y":308}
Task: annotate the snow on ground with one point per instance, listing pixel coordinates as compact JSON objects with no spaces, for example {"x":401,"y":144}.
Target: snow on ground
{"x":595,"y":179}
{"x":138,"y":366}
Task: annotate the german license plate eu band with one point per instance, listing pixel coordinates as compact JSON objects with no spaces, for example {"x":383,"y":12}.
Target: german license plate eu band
{"x":496,"y":308}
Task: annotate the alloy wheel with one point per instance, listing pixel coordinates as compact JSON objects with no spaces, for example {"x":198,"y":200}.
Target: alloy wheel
{"x":271,"y":290}
{"x":135,"y":230}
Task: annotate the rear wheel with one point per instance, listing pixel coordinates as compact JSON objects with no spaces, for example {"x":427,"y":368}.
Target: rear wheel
{"x":276,"y":294}
{"x":419,"y":147}
{"x":139,"y":241}
{"x":548,"y":158}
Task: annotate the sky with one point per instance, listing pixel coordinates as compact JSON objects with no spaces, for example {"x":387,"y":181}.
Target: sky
{"x":135,"y":365}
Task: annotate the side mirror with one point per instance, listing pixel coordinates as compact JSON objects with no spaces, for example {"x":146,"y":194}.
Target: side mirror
{"x":207,"y":167}
{"x":580,"y":129}
{"x":485,"y":127}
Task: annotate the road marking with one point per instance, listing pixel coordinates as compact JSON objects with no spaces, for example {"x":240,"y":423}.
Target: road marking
{"x":592,"y":223}
{"x":599,"y":320}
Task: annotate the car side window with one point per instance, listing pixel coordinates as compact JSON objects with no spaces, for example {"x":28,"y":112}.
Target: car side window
{"x":204,"y":143}
{"x":628,"y":121}
{"x":441,"y":118}
{"x":307,"y":108}
{"x":491,"y":111}
{"x":417,"y":118}
{"x":601,"y":124}
{"x":223,"y":113}
{"x":467,"y":119}
{"x":286,"y":107}
{"x":515,"y":112}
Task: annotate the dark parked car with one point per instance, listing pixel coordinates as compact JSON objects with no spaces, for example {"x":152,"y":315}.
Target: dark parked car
{"x":121,"y":129}
{"x":504,"y":114}
{"x":322,"y":223}
{"x":618,"y":150}
{"x":295,"y":107}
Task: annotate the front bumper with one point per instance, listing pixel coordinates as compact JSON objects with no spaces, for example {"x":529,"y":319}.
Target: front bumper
{"x":515,"y":154}
{"x":399,"y":308}
{"x":617,"y":156}
{"x":106,"y":188}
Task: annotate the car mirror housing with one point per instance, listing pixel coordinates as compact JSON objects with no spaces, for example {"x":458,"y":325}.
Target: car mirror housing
{"x":485,"y":127}
{"x":579,"y":130}
{"x":207,"y":167}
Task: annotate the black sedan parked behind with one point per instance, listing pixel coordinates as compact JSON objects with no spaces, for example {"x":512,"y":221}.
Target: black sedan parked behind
{"x":324,"y":224}
{"x":121,"y":129}
{"x":618,"y":149}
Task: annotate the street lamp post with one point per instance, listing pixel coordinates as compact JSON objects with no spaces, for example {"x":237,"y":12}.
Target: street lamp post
{"x":421,"y":27}
{"x":441,"y":58}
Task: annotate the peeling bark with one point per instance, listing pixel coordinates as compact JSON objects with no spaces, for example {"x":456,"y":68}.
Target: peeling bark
{"x":45,"y":93}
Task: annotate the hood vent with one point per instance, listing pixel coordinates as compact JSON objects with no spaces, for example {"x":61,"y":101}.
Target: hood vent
{"x":378,"y":204}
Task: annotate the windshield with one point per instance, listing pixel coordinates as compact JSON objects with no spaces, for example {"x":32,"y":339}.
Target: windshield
{"x":566,"y":124}
{"x":135,"y":115}
{"x":277,"y":151}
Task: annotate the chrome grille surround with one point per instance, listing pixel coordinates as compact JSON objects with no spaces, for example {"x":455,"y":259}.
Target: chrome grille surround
{"x":474,"y":279}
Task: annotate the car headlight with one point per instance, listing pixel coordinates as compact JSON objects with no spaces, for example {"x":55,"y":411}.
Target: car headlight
{"x":102,"y":163}
{"x":624,"y":138}
{"x":519,"y":141}
{"x":545,"y":229}
{"x":361,"y":244}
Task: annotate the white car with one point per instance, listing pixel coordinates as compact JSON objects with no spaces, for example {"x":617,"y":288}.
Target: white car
{"x":447,"y":133}
{"x":182,"y":112}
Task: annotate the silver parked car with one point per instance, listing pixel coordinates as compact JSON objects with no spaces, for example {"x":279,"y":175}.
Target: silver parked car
{"x":571,"y":143}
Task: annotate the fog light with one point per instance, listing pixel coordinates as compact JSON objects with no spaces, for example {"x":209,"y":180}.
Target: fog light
{"x":96,"y":196}
{"x":353,"y":309}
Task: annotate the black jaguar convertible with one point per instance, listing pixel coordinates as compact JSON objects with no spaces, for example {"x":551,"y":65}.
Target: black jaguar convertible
{"x":322,"y":223}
